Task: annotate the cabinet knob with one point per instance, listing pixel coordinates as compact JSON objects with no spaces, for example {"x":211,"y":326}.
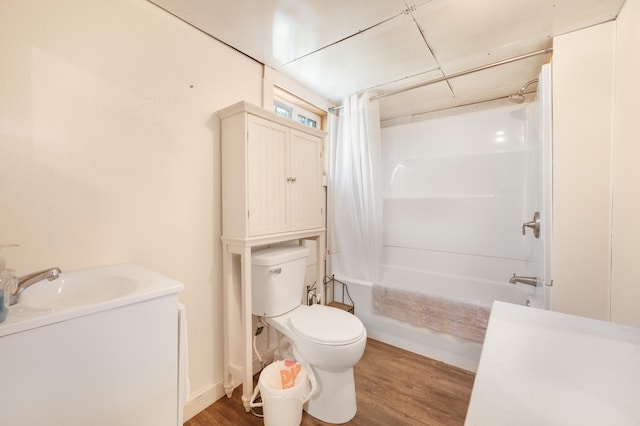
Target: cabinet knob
{"x":291,"y":179}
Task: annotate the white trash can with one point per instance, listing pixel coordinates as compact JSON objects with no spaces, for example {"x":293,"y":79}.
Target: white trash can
{"x":284,"y":387}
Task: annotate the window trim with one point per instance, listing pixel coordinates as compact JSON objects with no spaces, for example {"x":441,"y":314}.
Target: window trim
{"x":298,"y":107}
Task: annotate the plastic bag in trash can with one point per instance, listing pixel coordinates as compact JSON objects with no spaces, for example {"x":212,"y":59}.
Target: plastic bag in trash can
{"x":284,"y":387}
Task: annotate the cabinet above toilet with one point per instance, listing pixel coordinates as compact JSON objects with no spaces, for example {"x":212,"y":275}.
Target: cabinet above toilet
{"x":271,"y":193}
{"x":271,"y":173}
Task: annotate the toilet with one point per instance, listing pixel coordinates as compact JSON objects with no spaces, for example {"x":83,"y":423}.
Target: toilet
{"x":328,"y":339}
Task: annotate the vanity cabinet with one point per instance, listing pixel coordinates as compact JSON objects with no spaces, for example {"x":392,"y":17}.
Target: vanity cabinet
{"x":271,"y":193}
{"x":271,"y":173}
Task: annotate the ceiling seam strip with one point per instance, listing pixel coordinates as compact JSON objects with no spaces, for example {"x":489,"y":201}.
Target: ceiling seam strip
{"x":409,"y":11}
{"x":194,"y":26}
{"x":456,"y":75}
{"x":341,"y":40}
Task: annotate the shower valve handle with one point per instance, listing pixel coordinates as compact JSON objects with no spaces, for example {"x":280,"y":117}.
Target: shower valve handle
{"x":534,"y":224}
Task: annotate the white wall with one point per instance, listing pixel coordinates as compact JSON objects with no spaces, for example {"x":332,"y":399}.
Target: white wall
{"x":596,"y":175}
{"x":583,"y":74}
{"x":625,"y":284}
{"x":110,"y":149}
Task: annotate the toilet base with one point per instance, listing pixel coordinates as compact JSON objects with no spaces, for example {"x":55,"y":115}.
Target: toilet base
{"x":335,"y":399}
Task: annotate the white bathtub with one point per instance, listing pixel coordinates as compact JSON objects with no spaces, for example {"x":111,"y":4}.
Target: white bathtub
{"x":445,"y":347}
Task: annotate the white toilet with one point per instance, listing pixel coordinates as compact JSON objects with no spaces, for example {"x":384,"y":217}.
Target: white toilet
{"x":330,"y":340}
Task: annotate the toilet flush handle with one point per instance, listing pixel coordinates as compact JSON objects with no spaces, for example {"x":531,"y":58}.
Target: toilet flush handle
{"x":276,"y":270}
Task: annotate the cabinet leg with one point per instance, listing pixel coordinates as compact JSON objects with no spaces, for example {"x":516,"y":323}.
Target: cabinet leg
{"x":228,"y":390}
{"x":247,"y":335}
{"x":246,"y":401}
{"x":227,"y":290}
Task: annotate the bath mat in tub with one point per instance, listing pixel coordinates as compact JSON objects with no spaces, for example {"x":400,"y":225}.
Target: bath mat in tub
{"x":460,"y":317}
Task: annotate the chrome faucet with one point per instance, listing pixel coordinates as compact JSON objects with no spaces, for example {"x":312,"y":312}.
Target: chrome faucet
{"x":524,"y":280}
{"x":25,"y":281}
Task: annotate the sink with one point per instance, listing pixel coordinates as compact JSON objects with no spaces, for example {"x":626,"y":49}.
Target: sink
{"x":99,"y":346}
{"x":82,"y":292}
{"x":77,"y":288}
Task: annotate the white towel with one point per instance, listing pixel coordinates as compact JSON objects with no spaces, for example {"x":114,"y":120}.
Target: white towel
{"x":184,"y":387}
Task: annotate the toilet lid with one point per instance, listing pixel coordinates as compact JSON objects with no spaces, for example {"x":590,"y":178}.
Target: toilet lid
{"x":327,"y":325}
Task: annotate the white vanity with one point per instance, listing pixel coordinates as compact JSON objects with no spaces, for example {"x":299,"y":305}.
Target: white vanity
{"x":103,"y":353}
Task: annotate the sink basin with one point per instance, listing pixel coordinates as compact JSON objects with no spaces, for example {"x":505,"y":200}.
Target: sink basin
{"x":77,"y":288}
{"x":86,"y":292}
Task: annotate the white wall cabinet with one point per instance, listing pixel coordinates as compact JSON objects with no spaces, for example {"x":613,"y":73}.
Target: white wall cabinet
{"x":271,"y":193}
{"x":271,"y":173}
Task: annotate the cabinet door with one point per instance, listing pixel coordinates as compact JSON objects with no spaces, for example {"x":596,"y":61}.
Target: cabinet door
{"x":305,"y":170}
{"x":267,"y":177}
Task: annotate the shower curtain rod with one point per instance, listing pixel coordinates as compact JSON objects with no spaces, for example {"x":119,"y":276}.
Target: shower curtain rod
{"x":458,"y":74}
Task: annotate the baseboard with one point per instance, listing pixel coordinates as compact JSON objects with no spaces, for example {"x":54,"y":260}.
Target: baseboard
{"x":215,"y":392}
{"x":203,"y":400}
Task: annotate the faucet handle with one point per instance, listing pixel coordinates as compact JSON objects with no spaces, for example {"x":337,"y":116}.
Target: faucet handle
{"x":533,"y":224}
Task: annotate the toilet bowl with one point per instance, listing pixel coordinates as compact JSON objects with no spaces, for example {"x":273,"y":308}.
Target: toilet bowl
{"x":330,"y":340}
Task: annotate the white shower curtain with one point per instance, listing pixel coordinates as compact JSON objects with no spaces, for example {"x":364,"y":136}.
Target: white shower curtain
{"x":355,"y":192}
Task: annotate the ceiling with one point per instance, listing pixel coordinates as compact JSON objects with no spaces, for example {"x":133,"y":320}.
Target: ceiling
{"x":339,"y":47}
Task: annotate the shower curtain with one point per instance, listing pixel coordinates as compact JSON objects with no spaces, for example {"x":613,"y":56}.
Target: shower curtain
{"x":354,"y":191}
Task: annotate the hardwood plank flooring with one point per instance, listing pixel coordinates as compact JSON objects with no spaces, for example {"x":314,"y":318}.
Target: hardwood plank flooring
{"x":394,"y":387}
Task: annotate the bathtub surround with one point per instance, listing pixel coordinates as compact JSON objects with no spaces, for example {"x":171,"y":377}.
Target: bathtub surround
{"x":457,"y":191}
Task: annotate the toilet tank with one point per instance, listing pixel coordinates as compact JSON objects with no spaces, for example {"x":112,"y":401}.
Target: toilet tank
{"x":277,"y":279}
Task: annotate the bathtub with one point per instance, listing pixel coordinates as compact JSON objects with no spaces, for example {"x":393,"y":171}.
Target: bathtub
{"x":445,"y":347}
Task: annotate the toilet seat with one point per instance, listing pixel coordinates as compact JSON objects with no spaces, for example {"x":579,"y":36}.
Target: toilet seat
{"x":326,"y":325}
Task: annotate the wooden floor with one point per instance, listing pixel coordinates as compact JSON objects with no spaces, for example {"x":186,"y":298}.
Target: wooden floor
{"x":393,"y":386}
